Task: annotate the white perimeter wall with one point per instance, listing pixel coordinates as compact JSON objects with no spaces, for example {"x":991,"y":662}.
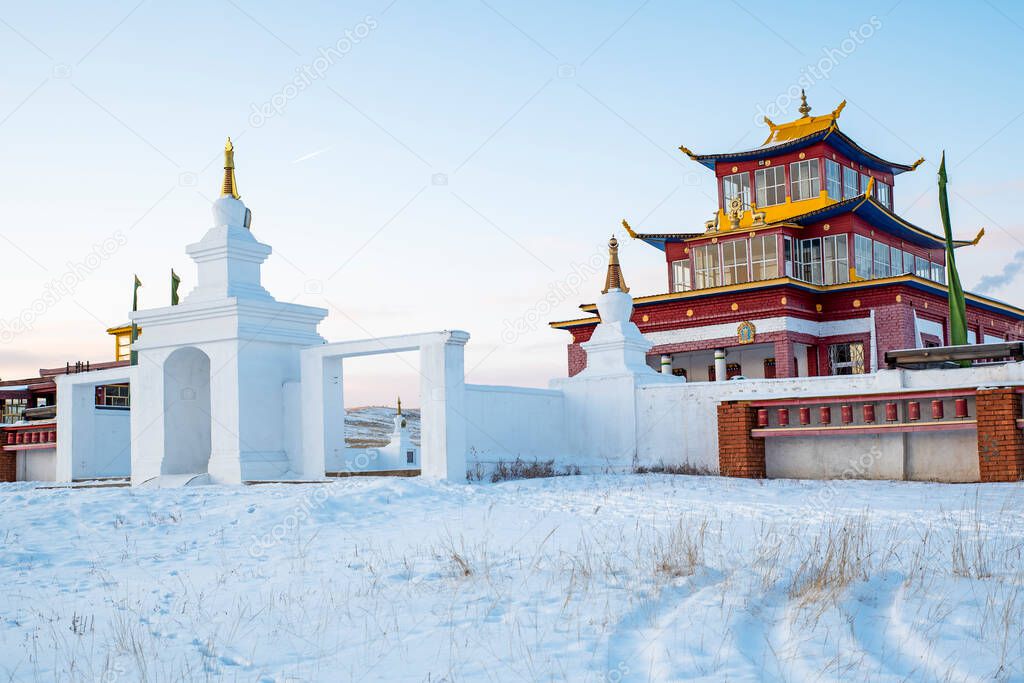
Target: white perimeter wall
{"x":678,"y":424}
{"x":503,"y":423}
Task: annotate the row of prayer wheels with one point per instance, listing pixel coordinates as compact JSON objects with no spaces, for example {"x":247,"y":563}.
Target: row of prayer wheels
{"x":30,"y":437}
{"x":892,"y":413}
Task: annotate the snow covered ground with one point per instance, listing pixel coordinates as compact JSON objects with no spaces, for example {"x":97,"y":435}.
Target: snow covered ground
{"x":585,"y":578}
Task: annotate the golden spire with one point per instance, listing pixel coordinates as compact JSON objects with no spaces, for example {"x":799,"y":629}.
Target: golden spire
{"x":230,"y":187}
{"x":614,"y":279}
{"x":805,"y":109}
{"x":399,"y":405}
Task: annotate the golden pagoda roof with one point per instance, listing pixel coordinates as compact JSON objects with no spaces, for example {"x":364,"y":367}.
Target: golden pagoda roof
{"x":801,"y":127}
{"x":803,"y":132}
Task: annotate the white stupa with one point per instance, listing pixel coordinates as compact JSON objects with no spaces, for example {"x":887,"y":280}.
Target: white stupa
{"x":216,"y":394}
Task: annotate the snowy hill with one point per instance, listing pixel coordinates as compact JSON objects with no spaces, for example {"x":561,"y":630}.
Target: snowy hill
{"x":371,"y":426}
{"x":579,"y":578}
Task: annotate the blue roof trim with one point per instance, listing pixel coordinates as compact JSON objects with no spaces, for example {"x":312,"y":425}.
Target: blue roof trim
{"x":839,"y":140}
{"x":879,"y":217}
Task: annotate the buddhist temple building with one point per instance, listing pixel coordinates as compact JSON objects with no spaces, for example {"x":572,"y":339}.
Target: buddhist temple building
{"x":804,"y":270}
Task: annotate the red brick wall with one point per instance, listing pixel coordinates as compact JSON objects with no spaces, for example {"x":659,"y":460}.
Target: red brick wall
{"x":8,"y":471}
{"x":894,"y":329}
{"x":739,"y":454}
{"x":577,"y":359}
{"x":1000,"y":442}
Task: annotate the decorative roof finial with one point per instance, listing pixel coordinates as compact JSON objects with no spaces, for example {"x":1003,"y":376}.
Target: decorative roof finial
{"x":399,"y":405}
{"x":230,"y":188}
{"x":805,"y":109}
{"x":614,"y":279}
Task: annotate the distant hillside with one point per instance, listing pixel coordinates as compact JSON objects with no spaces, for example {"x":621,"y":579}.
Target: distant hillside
{"x":371,"y":426}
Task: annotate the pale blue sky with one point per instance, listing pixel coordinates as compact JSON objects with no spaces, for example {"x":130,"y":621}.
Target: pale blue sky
{"x":550,"y":121}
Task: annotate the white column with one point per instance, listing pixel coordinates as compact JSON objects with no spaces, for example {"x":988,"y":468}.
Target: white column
{"x":442,"y":400}
{"x":721,"y":369}
{"x":323,"y":410}
{"x":666,"y":364}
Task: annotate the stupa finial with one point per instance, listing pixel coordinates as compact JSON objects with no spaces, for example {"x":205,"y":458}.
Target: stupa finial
{"x":614,"y":279}
{"x":230,"y":187}
{"x":399,"y":405}
{"x":805,"y":109}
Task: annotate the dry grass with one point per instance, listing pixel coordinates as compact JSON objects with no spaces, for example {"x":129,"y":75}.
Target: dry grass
{"x":681,"y":468}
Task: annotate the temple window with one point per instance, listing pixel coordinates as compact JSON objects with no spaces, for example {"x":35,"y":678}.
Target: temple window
{"x":113,"y":396}
{"x":972,"y":337}
{"x":923,"y":268}
{"x":833,"y":180}
{"x":681,"y":281}
{"x":846,"y":359}
{"x":881,"y":260}
{"x":850,"y":186}
{"x":737,"y":184}
{"x":895,"y":261}
{"x":908,"y":263}
{"x":705,"y":266}
{"x":764,"y":257}
{"x":771,"y":186}
{"x":804,"y":180}
{"x":809,"y":257}
{"x":837,"y":259}
{"x":13,"y":409}
{"x":883,"y":194}
{"x":864,"y":179}
{"x":734,"y":262}
{"x":939,"y":273}
{"x":788,"y":255}
{"x":862,"y":256}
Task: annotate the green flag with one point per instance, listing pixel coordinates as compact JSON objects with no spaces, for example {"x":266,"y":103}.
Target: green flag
{"x":957,"y":303}
{"x":135,"y":293}
{"x":175,"y":281}
{"x":135,"y":330}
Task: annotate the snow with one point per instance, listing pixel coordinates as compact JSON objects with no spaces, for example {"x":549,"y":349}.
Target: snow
{"x":584,"y":578}
{"x":371,"y":426}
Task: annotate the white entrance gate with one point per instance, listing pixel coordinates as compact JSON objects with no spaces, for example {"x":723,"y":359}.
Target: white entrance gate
{"x":442,"y":397}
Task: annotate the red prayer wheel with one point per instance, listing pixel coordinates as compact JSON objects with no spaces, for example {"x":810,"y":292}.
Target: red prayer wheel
{"x":762,"y":417}
{"x":11,"y":437}
{"x":783,"y":417}
{"x":35,"y":437}
{"x":847,"y":413}
{"x":805,"y":416}
{"x":913,"y":411}
{"x":869,"y":412}
{"x":825,"y":415}
{"x":892,"y":413}
{"x":937,"y":411}
{"x":961,"y":408}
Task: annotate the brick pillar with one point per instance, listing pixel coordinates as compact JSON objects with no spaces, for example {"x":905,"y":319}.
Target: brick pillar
{"x":8,"y":466}
{"x":1000,"y":442}
{"x":739,"y":454}
{"x":784,"y":353}
{"x":577,"y":359}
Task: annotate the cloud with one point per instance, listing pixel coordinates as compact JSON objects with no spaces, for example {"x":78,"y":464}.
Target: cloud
{"x":311,"y":155}
{"x":1010,"y":271}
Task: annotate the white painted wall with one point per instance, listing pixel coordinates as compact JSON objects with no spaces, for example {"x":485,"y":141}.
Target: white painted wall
{"x":36,"y":465}
{"x":505,"y":423}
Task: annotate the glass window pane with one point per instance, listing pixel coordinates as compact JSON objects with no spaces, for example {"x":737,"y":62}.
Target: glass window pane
{"x":850,"y":185}
{"x":863,"y":258}
{"x":770,"y":186}
{"x":833,"y":181}
{"x":737,"y":184}
{"x":923,"y":268}
{"x":881,"y":260}
{"x":804,"y":180}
